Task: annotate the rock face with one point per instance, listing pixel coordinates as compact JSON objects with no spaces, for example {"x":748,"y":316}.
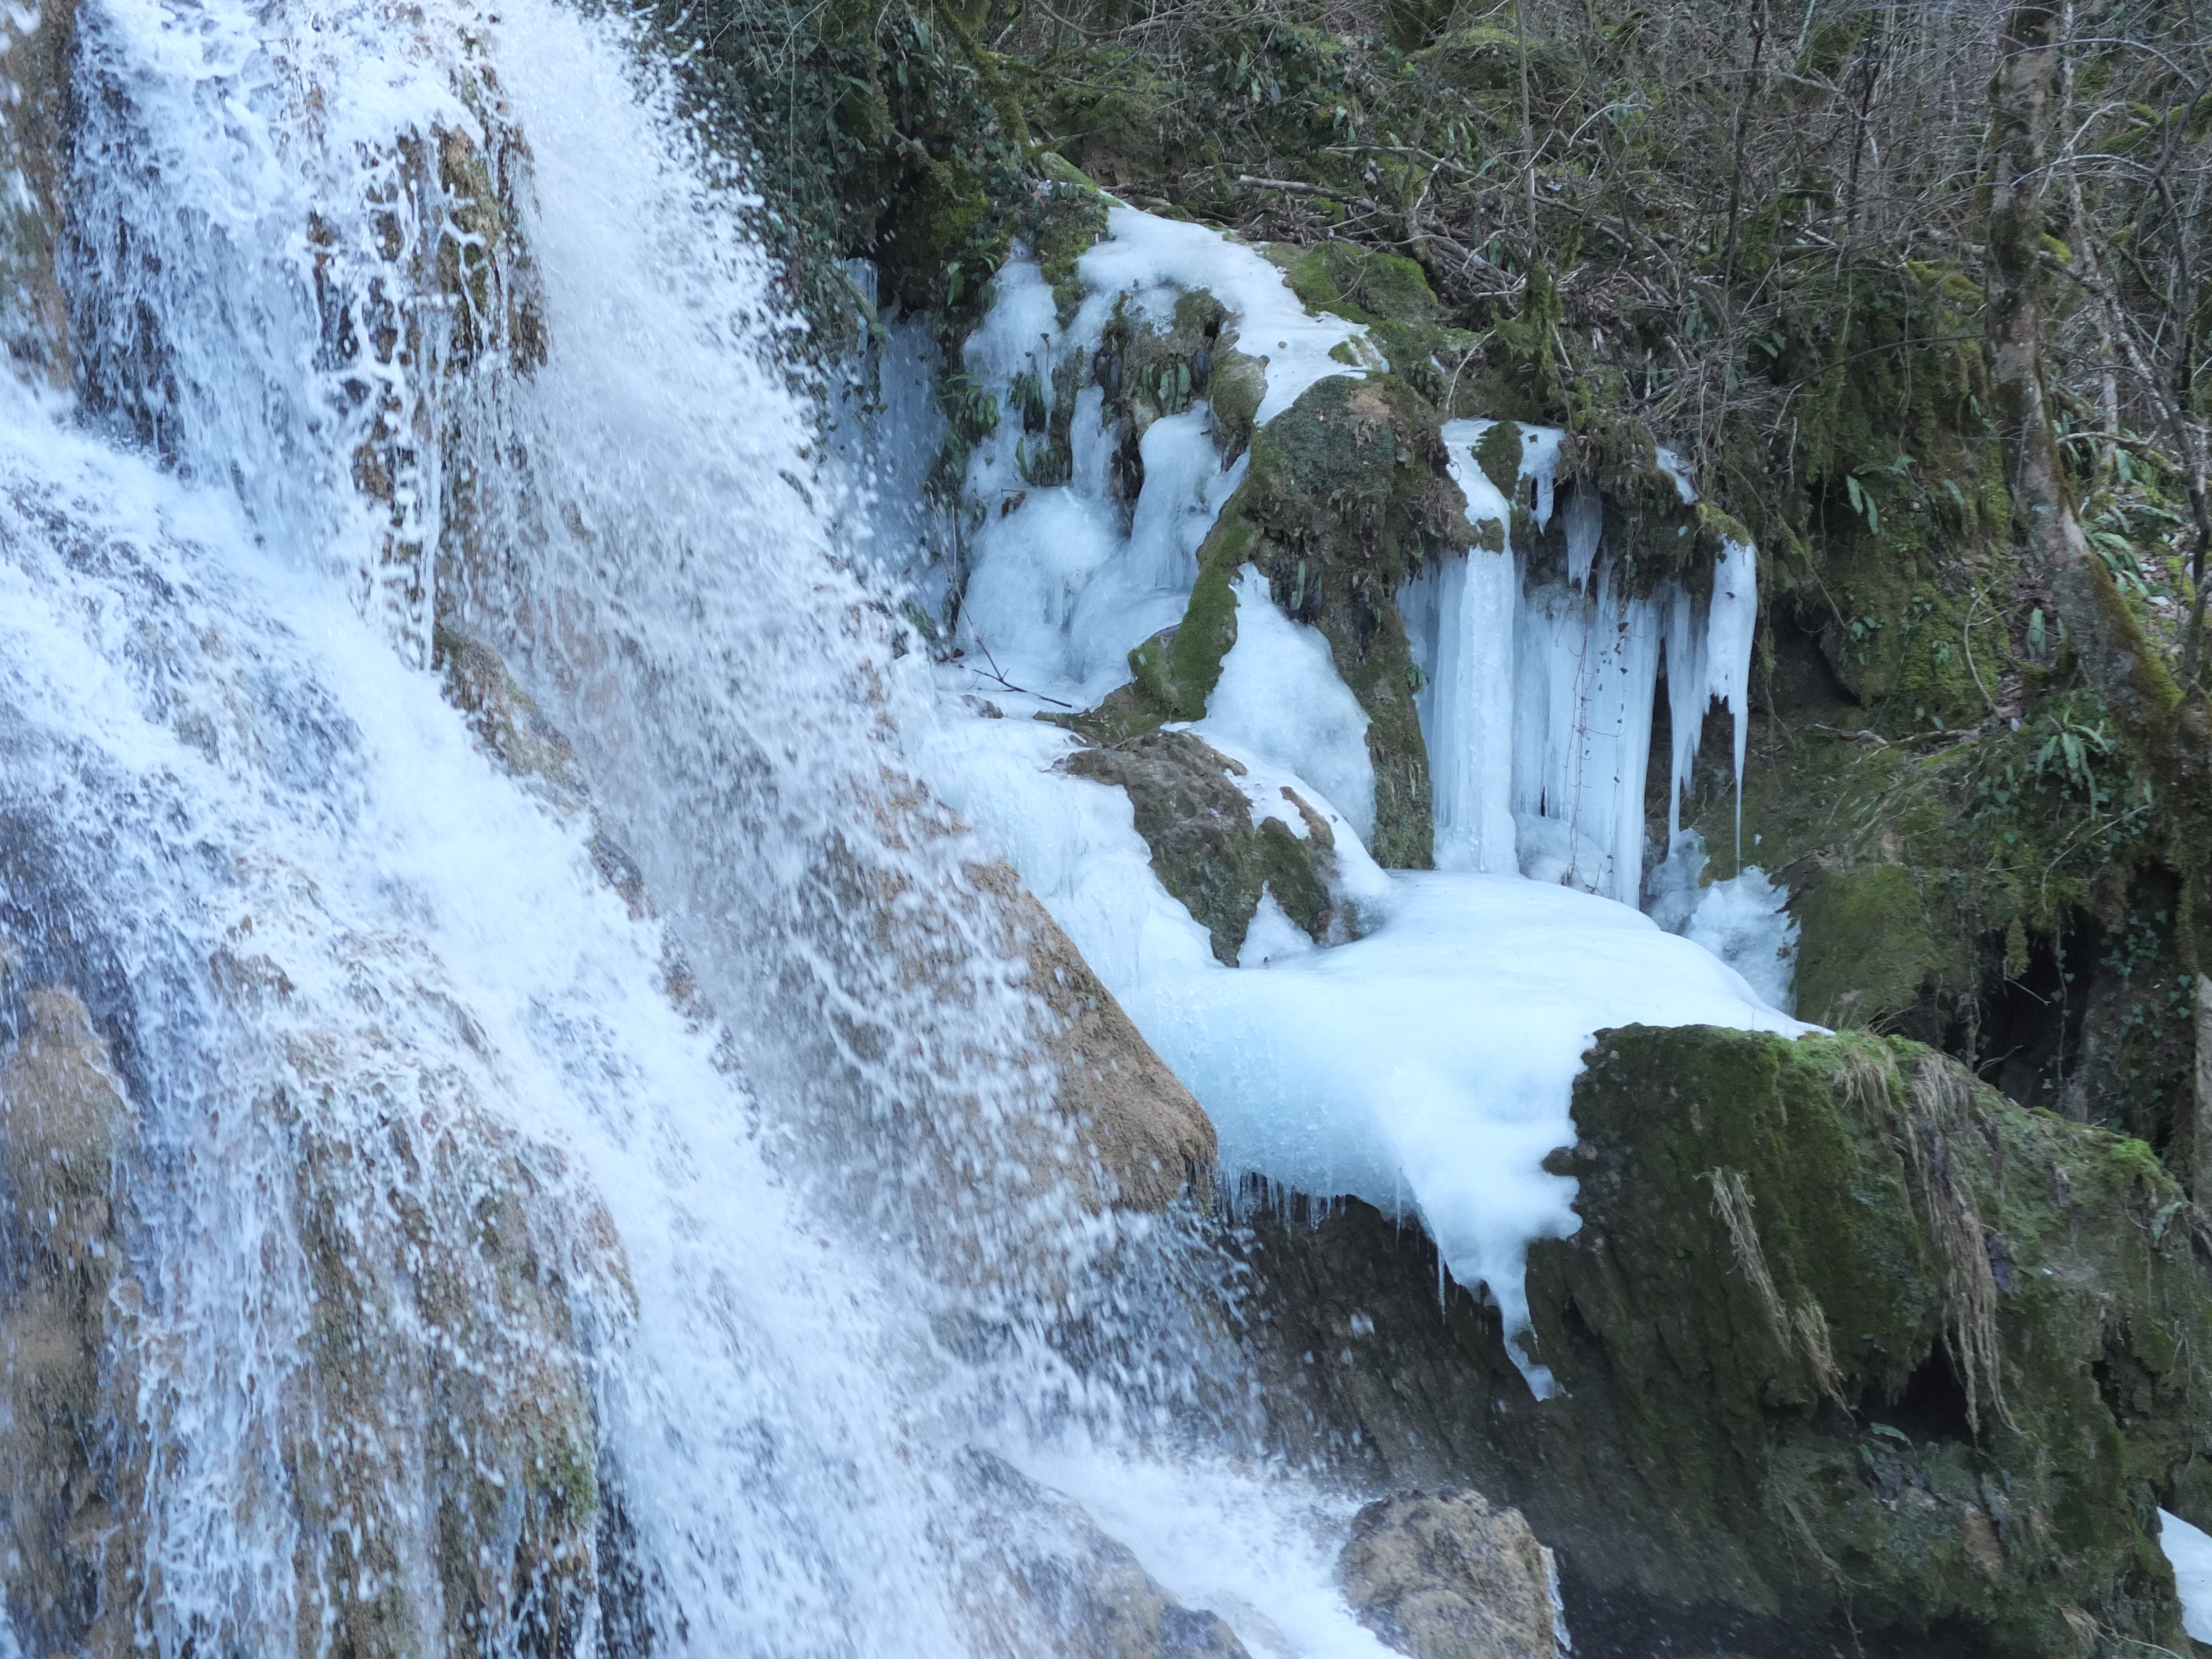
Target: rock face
{"x":67,"y":1520}
{"x":35,"y":43}
{"x":464,"y":1389}
{"x":1447,"y":1575}
{"x":1347,"y":495}
{"x":1127,"y":1132}
{"x":514,"y":729}
{"x":1143,"y":1135}
{"x":1045,"y":1579}
{"x":1854,"y":1355}
{"x":1207,"y":851}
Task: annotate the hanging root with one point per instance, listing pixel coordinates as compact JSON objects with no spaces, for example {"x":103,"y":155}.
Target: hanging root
{"x":1811,"y":1325}
{"x":1803,"y":1328}
{"x":1943,"y":1112}
{"x":1862,"y":1083}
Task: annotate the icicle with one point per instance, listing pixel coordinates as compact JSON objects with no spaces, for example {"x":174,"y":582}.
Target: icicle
{"x":1583,"y":518}
{"x":1539,"y":706}
{"x":1469,"y":699}
{"x":1686,"y":694}
{"x":1587,"y":676}
{"x":1730,"y":626}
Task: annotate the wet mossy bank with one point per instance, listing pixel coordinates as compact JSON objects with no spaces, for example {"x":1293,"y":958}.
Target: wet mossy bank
{"x":1854,"y":1357}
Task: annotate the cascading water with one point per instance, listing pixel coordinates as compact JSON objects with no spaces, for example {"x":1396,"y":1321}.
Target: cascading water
{"x":494,"y":1266}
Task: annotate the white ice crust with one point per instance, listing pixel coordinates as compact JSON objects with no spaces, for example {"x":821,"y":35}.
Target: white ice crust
{"x":2188,"y":1550}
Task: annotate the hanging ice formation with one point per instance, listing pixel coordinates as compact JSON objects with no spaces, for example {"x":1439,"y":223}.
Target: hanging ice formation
{"x":1539,"y":694}
{"x":1427,"y":1066}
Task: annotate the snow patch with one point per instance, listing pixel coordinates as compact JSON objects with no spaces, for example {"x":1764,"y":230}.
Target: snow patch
{"x":1279,"y":697}
{"x":2188,"y":1550}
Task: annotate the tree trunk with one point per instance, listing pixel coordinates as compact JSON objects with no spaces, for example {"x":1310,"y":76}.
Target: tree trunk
{"x":2115,"y":657}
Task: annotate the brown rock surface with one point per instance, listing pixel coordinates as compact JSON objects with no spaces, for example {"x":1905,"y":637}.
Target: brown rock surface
{"x":1045,"y":1579}
{"x":1145,"y":1132}
{"x":1449,"y":1575}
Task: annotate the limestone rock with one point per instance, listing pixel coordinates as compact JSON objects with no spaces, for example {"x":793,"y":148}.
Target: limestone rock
{"x":1144,"y":1132}
{"x":66,"y":1524}
{"x":1207,"y":851}
{"x":1141,"y":1138}
{"x":36,"y":43}
{"x":1448,"y":1575}
{"x":1046,"y":1579}
{"x":1853,"y":1355}
{"x":514,"y":730}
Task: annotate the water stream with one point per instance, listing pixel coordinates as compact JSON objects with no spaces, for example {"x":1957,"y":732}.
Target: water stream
{"x":507,"y":1259}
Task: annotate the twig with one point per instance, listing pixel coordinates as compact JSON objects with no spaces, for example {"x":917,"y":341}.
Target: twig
{"x":1291,"y":186}
{"x":993,"y":673}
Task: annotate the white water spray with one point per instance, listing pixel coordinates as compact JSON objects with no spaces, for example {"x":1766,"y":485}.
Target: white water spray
{"x":504,"y":1270}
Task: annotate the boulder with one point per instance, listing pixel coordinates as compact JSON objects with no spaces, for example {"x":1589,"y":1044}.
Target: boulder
{"x":1043,"y":1578}
{"x":1145,"y":1138}
{"x":1207,"y":851}
{"x":1853,"y":1355}
{"x":1448,"y":1575}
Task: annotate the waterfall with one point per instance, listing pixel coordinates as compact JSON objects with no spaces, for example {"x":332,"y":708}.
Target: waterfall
{"x":1540,"y":693}
{"x":583,"y":1162}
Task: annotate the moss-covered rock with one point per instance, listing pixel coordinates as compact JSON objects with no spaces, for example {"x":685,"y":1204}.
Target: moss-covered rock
{"x":1207,"y":851}
{"x":1347,"y":497}
{"x":1866,"y":951}
{"x":1849,"y":1349}
{"x":1358,"y":283}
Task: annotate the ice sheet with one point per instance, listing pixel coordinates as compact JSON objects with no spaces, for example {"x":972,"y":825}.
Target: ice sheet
{"x":2190,"y":1553}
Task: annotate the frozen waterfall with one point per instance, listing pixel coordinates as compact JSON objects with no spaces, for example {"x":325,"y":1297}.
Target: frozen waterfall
{"x":1426,"y":1067}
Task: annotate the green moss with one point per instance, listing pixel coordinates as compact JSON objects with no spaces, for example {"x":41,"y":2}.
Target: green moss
{"x":1207,"y":850}
{"x":1785,"y":1383}
{"x":1067,"y":218}
{"x":1529,"y":343}
{"x":1498,"y":454}
{"x":1347,"y":497}
{"x":1867,"y":949}
{"x":1362,"y":284}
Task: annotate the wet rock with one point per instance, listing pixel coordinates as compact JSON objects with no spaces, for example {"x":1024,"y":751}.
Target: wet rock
{"x":511,"y":727}
{"x":70,"y":1519}
{"x":433,"y":1436}
{"x":35,"y":53}
{"x":1124,"y":1131}
{"x":1447,"y":1575}
{"x":1044,"y":1578}
{"x":1853,"y":1355}
{"x":1208,"y":852}
{"x":1143,"y":1134}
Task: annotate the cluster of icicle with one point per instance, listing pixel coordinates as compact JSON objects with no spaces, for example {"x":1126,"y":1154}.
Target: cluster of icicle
{"x":1539,"y":697}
